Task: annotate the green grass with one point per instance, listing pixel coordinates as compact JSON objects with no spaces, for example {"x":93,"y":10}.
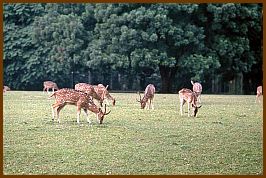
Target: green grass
{"x":226,"y":138}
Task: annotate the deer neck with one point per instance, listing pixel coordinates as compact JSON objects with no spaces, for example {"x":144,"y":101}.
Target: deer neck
{"x":145,"y":98}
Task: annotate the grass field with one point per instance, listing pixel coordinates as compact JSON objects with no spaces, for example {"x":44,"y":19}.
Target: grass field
{"x":226,"y":138}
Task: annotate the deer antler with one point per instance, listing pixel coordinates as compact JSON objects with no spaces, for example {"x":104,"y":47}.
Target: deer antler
{"x":139,"y":97}
{"x":105,"y":110}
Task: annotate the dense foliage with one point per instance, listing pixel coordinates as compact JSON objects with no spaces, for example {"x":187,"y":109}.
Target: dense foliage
{"x":130,"y":45}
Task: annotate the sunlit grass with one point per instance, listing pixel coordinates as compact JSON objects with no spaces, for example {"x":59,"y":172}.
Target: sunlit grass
{"x":226,"y":137}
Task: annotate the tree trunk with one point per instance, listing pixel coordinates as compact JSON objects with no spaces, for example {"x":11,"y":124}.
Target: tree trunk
{"x":167,"y":76}
{"x":130,"y":80}
{"x":239,"y":83}
{"x":130,"y":75}
{"x":142,"y":81}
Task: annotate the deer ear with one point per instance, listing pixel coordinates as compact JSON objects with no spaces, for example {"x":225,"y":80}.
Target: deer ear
{"x":200,"y":106}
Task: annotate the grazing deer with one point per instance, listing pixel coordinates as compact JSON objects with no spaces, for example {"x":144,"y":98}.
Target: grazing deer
{"x":259,"y":93}
{"x":102,"y":91}
{"x":49,"y":84}
{"x":197,"y":88}
{"x":6,"y":88}
{"x":80,"y":99}
{"x":89,"y":89}
{"x":148,"y":96}
{"x":186,"y":95}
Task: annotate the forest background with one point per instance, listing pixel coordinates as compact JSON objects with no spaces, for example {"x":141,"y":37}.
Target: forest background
{"x":129,"y":45}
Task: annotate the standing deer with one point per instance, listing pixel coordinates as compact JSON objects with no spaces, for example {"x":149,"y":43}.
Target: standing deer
{"x":89,"y":89}
{"x":102,"y":91}
{"x":80,"y":99}
{"x":259,"y":93}
{"x":49,"y":84}
{"x":186,"y":95}
{"x":148,"y":96}
{"x":197,"y":88}
{"x":6,"y":88}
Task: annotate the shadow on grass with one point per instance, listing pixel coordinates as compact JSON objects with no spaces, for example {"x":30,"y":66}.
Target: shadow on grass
{"x":74,"y":123}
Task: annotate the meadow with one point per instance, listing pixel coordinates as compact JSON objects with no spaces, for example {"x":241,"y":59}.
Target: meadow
{"x":225,"y":139}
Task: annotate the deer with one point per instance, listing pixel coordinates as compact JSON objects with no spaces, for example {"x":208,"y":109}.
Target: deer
{"x":6,"y":88}
{"x":49,"y":84}
{"x":197,"y":88}
{"x":148,"y":96}
{"x":102,"y":91}
{"x":89,"y":89}
{"x":81,"y":100}
{"x":186,"y":95}
{"x":259,"y":93}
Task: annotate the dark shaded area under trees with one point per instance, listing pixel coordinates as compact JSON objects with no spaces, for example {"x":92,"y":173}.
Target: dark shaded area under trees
{"x":129,"y":45}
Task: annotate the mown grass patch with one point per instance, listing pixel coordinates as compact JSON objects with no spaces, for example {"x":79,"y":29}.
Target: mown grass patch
{"x":226,"y":137}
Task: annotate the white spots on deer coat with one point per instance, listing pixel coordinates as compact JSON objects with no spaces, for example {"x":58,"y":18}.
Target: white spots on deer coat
{"x":80,"y":99}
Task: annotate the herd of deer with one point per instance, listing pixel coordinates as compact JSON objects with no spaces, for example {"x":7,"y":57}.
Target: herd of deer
{"x":82,"y":97}
{"x":83,"y":94}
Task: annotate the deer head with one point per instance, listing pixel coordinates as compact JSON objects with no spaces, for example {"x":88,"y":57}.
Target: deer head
{"x":142,"y":101}
{"x":101,"y":114}
{"x":195,"y":109}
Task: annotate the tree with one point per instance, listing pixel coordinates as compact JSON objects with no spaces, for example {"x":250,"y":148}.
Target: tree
{"x":20,"y":63}
{"x":155,"y":33}
{"x":134,"y":43}
{"x":235,"y":27}
{"x":60,"y":35}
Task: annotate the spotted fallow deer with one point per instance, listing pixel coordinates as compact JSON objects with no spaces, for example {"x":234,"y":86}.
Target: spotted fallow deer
{"x":197,"y":88}
{"x":186,"y":95}
{"x":89,"y":89}
{"x":148,"y":97}
{"x":49,"y":84}
{"x":259,"y":93}
{"x":102,"y":91}
{"x":80,"y":99}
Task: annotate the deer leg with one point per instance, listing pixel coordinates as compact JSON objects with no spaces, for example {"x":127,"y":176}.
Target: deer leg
{"x":55,"y":105}
{"x":53,"y":113}
{"x":257,"y":98}
{"x":58,"y":111}
{"x":181,"y":107}
{"x":48,"y":90}
{"x":88,"y":119}
{"x":57,"y":114}
{"x":152,"y":106}
{"x":78,"y":113}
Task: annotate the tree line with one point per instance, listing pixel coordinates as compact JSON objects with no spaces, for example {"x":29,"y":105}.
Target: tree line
{"x":128,"y":45}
